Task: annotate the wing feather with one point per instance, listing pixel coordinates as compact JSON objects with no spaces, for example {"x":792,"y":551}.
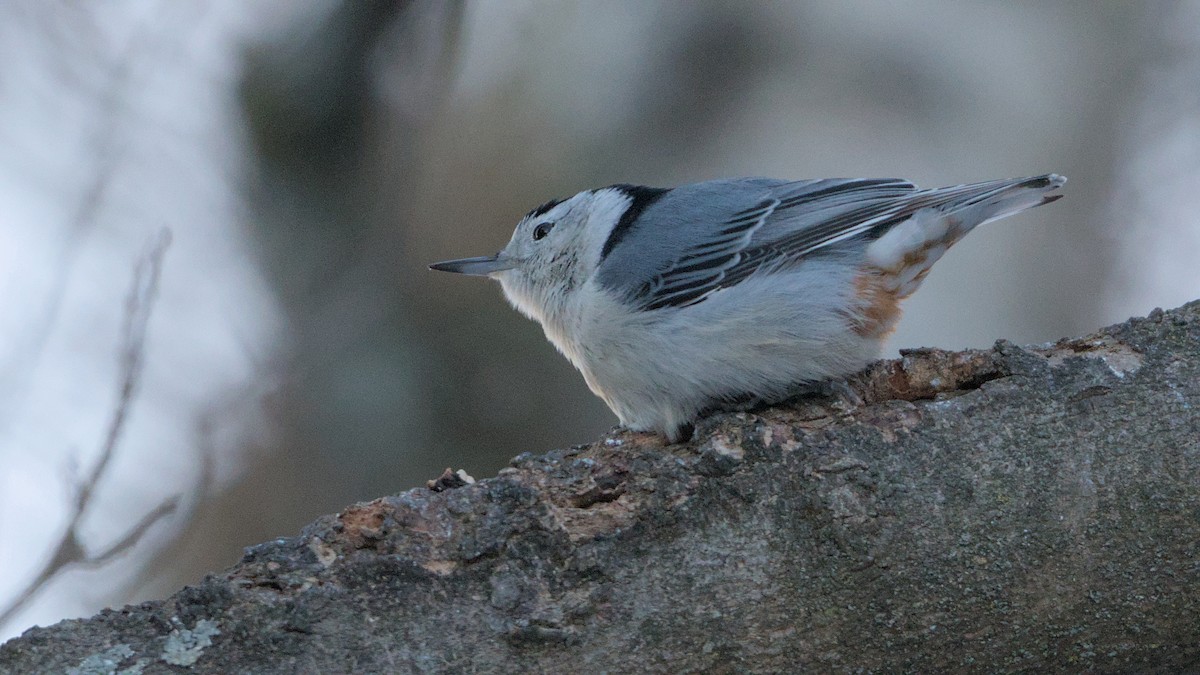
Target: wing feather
{"x":702,"y":268}
{"x":795,"y":221}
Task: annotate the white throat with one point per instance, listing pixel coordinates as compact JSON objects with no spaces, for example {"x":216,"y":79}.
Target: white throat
{"x":558,"y":300}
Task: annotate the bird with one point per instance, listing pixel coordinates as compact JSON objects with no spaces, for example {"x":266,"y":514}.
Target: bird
{"x":677,"y":302}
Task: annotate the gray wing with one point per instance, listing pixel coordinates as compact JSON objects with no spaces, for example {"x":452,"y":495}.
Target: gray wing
{"x":702,"y":237}
{"x":707,"y":236}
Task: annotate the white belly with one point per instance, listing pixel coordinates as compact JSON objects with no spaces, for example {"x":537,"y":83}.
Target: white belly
{"x":762,"y":337}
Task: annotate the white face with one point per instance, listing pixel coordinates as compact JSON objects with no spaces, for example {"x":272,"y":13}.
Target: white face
{"x":555,"y":250}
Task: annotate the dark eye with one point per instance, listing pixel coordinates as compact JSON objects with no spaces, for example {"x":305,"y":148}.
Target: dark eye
{"x":542,"y":230}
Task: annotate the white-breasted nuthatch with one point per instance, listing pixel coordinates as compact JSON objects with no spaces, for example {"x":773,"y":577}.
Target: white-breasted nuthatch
{"x":672,"y":302}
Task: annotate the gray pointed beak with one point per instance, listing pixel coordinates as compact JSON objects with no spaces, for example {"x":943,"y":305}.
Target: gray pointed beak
{"x":480,"y":267}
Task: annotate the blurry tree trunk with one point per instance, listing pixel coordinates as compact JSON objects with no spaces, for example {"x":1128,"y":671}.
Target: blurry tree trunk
{"x":314,"y":111}
{"x":1005,"y":509}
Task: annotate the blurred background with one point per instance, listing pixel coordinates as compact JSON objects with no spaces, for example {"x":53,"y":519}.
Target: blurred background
{"x":286,"y":353}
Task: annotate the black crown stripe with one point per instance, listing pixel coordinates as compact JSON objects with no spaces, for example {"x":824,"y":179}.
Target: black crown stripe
{"x":641,"y":197}
{"x":541,"y":210}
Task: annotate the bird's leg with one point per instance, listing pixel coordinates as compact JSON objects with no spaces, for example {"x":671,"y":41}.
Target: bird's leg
{"x":741,"y":403}
{"x":683,"y":434}
{"x":838,"y":389}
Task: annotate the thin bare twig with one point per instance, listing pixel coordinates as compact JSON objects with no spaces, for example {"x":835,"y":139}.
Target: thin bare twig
{"x":70,"y":550}
{"x":135,"y":534}
{"x":132,"y":350}
{"x":192,"y":511}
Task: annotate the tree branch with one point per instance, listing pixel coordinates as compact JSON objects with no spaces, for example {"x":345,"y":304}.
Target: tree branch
{"x":1012,"y":509}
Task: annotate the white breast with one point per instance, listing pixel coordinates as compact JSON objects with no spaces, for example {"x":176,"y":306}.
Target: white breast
{"x":763,"y":337}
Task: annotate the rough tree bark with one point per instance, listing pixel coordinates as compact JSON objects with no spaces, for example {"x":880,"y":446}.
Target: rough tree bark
{"x":1009,"y":509}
